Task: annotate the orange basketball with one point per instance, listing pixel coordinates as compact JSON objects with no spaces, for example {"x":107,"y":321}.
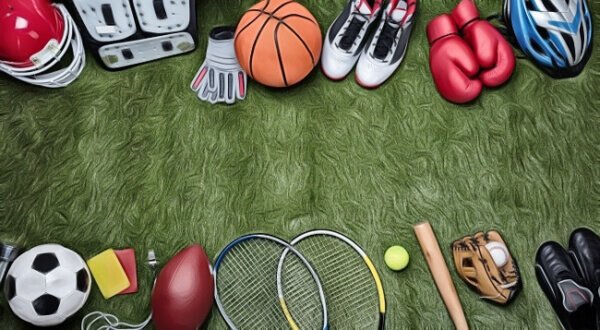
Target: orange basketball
{"x":278,"y":42}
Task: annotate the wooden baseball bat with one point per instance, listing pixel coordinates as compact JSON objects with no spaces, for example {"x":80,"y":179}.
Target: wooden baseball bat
{"x":441,"y":275}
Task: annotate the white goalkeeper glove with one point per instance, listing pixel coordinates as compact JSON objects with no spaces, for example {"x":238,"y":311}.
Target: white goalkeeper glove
{"x":220,"y":78}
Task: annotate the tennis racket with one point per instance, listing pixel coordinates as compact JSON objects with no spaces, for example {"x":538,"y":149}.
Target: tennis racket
{"x":251,"y":293}
{"x":355,"y":296}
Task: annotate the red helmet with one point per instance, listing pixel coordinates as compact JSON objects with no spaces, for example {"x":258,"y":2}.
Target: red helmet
{"x":35,"y":36}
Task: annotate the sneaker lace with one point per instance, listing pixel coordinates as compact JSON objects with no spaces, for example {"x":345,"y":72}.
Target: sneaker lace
{"x":349,"y":37}
{"x":387,"y":39}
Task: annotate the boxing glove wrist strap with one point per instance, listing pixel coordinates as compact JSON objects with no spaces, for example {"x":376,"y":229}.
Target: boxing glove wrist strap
{"x":440,"y":27}
{"x":465,"y":13}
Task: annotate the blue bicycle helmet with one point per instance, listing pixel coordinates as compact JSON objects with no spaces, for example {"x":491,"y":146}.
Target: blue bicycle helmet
{"x":555,"y":34}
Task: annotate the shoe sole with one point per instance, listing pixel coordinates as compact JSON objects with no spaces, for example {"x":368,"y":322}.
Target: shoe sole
{"x":331,"y":78}
{"x":365,"y":86}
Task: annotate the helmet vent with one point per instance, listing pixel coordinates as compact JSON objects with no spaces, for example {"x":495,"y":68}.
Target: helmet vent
{"x":554,"y":49}
{"x":549,"y":6}
{"x":529,"y":5}
{"x":536,"y":46}
{"x":543,"y":33}
{"x":569,"y":41}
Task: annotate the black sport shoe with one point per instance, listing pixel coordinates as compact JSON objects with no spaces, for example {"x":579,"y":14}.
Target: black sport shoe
{"x":584,"y":248}
{"x":565,"y":289}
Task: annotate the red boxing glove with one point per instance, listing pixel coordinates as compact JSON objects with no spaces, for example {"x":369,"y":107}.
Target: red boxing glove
{"x":493,"y":52}
{"x":452,"y":62}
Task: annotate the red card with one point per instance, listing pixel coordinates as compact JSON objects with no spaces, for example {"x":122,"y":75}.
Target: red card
{"x":127,"y":259}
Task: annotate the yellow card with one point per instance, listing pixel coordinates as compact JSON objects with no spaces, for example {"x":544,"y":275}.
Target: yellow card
{"x":108,"y":273}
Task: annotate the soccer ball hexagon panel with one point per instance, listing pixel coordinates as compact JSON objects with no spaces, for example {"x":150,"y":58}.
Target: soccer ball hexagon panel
{"x":47,"y":284}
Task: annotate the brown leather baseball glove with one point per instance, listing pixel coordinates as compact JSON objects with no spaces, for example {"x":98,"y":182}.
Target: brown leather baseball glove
{"x":484,"y":262}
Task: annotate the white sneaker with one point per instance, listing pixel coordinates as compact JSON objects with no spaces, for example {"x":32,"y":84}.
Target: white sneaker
{"x":387,"y":47}
{"x":347,"y":36}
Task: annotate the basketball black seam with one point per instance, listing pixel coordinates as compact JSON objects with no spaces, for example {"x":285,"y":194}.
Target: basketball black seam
{"x":271,"y":14}
{"x":282,"y":18}
{"x":258,"y":35}
{"x":279,"y":54}
{"x":300,"y":16}
{"x":254,"y":19}
{"x":312,"y":57}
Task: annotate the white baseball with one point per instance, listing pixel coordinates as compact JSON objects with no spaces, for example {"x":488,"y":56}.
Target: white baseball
{"x":499,"y":253}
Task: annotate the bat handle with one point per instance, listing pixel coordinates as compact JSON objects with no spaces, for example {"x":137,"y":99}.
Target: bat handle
{"x":460,"y":323}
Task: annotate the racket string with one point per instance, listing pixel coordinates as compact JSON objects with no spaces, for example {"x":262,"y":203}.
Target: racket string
{"x":247,"y":288}
{"x":351,"y":292}
{"x":301,"y":304}
{"x":257,"y":287}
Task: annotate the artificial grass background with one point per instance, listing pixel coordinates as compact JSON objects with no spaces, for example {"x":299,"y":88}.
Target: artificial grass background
{"x":133,"y":159}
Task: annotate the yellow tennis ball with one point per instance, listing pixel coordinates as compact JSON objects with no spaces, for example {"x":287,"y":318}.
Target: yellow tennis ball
{"x":396,"y":257}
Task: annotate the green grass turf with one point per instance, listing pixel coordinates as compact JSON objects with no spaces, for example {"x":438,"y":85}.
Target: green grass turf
{"x":133,"y":159}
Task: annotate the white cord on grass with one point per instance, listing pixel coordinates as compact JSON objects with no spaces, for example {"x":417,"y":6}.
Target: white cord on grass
{"x":105,"y":321}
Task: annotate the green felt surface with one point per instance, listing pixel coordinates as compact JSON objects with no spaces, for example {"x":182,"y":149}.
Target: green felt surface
{"x":133,"y":159}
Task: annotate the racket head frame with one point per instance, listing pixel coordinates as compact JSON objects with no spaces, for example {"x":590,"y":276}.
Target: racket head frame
{"x":280,"y":295}
{"x":361,"y":253}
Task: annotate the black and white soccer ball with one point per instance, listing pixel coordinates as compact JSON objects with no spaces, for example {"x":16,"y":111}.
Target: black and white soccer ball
{"x":47,"y":284}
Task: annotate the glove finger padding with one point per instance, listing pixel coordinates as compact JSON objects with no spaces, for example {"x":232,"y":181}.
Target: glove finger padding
{"x":484,"y":262}
{"x":205,"y":86}
{"x":220,"y":78}
{"x":240,"y":82}
{"x":200,"y":78}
